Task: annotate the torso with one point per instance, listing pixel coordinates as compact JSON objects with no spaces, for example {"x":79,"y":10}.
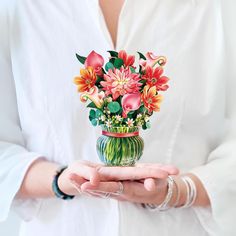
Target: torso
{"x":45,"y":35}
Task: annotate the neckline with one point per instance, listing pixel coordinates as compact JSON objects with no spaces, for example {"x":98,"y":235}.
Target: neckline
{"x":103,"y":24}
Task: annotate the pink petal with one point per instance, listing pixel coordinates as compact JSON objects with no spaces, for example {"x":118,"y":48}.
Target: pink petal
{"x":95,"y":60}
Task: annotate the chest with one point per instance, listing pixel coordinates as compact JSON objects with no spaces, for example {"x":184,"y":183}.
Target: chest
{"x":46,"y":36}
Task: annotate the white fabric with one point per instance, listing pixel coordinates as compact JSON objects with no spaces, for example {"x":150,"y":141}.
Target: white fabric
{"x":41,"y":115}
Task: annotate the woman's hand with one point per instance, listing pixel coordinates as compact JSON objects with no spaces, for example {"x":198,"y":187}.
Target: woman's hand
{"x":81,"y":172}
{"x":133,"y":191}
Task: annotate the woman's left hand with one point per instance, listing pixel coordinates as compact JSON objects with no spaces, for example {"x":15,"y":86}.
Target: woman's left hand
{"x":133,"y":191}
{"x":139,"y":184}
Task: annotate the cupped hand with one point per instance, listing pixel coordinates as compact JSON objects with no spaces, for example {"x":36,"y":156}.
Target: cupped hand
{"x":76,"y":174}
{"x":133,"y":191}
{"x":91,"y":174}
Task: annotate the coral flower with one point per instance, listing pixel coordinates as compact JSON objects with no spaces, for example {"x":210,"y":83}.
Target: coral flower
{"x":119,"y":82}
{"x":130,"y":102}
{"x":93,"y":95}
{"x":151,"y":99}
{"x":152,"y":61}
{"x":96,"y":61}
{"x":86,"y":80}
{"x":154,"y":78}
{"x":128,"y":59}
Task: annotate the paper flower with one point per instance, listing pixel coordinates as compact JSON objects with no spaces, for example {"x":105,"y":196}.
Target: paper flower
{"x":128,"y":59}
{"x":130,"y":102}
{"x":86,"y":80}
{"x":152,"y":61}
{"x":120,"y":82}
{"x":151,"y":99}
{"x":96,"y":61}
{"x":120,"y":95}
{"x":93,"y":95}
{"x":154,"y":77}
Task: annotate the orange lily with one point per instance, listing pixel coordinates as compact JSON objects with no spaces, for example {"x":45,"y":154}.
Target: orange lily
{"x":86,"y":80}
{"x":151,"y":98}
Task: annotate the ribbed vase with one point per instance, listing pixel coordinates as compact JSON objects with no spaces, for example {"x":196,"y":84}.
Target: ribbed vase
{"x":120,"y":146}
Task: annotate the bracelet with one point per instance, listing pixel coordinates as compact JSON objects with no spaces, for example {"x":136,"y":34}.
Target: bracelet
{"x":165,"y":204}
{"x":191,"y":191}
{"x":178,"y":195}
{"x":55,"y":188}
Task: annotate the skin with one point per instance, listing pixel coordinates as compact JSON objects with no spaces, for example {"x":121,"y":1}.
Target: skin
{"x":145,"y":183}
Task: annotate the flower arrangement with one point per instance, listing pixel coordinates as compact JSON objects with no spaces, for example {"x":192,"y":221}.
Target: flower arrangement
{"x":121,"y":94}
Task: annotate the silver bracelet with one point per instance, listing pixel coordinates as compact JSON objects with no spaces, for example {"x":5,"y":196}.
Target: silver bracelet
{"x":191,"y":191}
{"x":165,"y":204}
{"x":177,"y":195}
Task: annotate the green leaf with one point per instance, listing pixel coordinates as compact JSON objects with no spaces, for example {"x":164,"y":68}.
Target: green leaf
{"x":118,"y":63}
{"x":91,"y":105}
{"x":132,"y":69}
{"x":80,"y":58}
{"x":108,"y":66}
{"x":94,"y":122}
{"x":140,"y":70}
{"x":142,"y":109}
{"x":99,"y":79}
{"x":112,"y":60}
{"x":148,"y":125}
{"x":98,"y":113}
{"x":92,"y":115}
{"x":114,"y":107}
{"x":113,"y":53}
{"x":141,"y":56}
{"x":144,"y":127}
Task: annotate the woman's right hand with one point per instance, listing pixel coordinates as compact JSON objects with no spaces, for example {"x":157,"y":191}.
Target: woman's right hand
{"x":76,"y":174}
{"x":80,"y":172}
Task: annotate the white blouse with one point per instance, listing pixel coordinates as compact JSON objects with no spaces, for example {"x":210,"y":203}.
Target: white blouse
{"x":42,"y":116}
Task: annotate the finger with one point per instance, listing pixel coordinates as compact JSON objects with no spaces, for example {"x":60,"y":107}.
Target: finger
{"x":150,"y":184}
{"x":171,"y":169}
{"x":130,"y":173}
{"x":102,"y":187}
{"x":76,"y":178}
{"x":89,"y":163}
{"x":87,"y":172}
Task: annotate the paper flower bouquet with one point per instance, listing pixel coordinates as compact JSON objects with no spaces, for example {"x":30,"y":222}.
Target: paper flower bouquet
{"x":121,"y":97}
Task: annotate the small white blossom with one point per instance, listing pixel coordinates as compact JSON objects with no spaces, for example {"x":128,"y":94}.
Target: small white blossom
{"x":118,"y":118}
{"x":147,"y":118}
{"x":139,"y":116}
{"x":108,"y":123}
{"x":130,"y":122}
{"x":109,"y":99}
{"x":102,"y":118}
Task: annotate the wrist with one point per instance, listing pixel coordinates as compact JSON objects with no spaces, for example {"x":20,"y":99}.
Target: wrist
{"x":61,"y":185}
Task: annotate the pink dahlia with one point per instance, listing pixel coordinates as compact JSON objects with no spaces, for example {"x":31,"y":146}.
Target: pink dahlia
{"x":119,"y":82}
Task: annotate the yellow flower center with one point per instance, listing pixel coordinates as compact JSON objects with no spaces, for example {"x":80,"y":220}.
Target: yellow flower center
{"x":88,"y":81}
{"x":122,"y":81}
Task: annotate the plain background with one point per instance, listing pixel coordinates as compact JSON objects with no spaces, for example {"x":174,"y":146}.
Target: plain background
{"x":11,"y":226}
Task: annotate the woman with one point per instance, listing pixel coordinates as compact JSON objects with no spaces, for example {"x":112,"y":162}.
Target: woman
{"x":44,"y":126}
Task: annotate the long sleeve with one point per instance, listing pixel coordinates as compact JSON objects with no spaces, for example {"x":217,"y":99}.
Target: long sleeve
{"x":218,"y":175}
{"x":14,"y":158}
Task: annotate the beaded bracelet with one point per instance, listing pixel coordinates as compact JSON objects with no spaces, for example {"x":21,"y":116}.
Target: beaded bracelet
{"x":55,"y":188}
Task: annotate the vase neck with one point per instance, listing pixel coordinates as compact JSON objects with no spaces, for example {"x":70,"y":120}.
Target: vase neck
{"x":120,"y":135}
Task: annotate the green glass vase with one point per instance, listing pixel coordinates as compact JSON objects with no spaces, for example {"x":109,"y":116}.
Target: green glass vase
{"x":120,"y":146}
